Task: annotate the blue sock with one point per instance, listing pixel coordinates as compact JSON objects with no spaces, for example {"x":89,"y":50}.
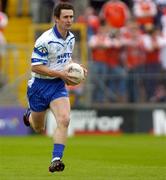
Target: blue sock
{"x":58,"y":151}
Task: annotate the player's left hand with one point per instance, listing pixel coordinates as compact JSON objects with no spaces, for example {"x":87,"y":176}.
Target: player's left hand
{"x":85,"y":70}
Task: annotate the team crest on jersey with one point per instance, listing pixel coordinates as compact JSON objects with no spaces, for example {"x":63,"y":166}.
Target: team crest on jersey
{"x":42,"y":49}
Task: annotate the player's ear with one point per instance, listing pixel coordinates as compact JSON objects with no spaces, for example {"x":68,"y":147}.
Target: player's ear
{"x":56,"y":19}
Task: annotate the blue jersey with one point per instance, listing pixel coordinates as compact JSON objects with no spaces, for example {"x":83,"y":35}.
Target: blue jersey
{"x":54,"y":52}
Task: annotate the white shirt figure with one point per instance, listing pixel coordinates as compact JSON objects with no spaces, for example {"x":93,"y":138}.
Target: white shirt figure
{"x":52,"y":50}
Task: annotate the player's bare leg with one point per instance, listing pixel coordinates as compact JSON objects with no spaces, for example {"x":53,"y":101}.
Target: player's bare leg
{"x":36,"y":120}
{"x":61,"y":110}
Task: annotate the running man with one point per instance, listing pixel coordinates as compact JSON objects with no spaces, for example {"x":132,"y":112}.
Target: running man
{"x":46,"y":89}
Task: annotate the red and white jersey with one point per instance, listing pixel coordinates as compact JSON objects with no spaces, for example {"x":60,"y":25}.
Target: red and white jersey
{"x":144,"y":11}
{"x":148,"y":42}
{"x":99,"y":43}
{"x":115,"y":13}
{"x":152,"y":46}
{"x":133,"y":52}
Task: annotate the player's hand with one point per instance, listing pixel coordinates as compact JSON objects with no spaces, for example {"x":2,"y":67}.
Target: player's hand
{"x":67,"y":78}
{"x":85,"y":70}
{"x":71,"y":82}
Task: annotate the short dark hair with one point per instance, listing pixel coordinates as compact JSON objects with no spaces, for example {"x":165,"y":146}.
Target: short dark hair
{"x":60,"y":6}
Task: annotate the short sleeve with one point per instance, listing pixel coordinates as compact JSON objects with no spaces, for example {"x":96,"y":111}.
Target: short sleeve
{"x":40,"y":53}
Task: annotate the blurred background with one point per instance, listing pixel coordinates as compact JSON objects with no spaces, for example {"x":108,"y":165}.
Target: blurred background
{"x":123,"y":45}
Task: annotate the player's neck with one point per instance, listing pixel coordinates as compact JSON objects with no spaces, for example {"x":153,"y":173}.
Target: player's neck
{"x":62,"y":32}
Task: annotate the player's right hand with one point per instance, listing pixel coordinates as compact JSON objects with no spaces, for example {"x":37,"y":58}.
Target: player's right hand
{"x":64,"y":75}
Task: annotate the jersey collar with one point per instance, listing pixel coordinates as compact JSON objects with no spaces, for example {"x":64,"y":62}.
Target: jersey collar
{"x":57,"y":33}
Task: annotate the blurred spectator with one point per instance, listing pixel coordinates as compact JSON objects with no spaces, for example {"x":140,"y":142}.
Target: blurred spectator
{"x":117,"y":73}
{"x":161,"y":3}
{"x":163,"y":48}
{"x":144,"y":12}
{"x":116,"y":13}
{"x":99,"y":44}
{"x":152,"y":43}
{"x":134,"y":57}
{"x":163,"y":21}
{"x":91,"y":20}
{"x":137,"y":52}
{"x":161,"y":8}
{"x":160,"y":94}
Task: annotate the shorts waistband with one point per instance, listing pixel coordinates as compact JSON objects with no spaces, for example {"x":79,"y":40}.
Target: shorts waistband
{"x":41,"y":76}
{"x":47,"y":80}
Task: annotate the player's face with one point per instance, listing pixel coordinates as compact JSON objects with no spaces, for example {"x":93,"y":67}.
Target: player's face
{"x":66,"y":19}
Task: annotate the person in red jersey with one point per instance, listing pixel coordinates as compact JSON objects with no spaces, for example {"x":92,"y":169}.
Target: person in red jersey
{"x":152,"y":44}
{"x":116,"y":13}
{"x":99,"y":44}
{"x":134,"y":58}
{"x":144,"y":12}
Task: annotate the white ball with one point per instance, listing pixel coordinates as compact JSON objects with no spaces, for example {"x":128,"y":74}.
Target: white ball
{"x":76,"y":72}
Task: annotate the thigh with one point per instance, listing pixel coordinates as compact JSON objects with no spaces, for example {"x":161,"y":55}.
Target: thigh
{"x":60,"y":108}
{"x":38,"y":118}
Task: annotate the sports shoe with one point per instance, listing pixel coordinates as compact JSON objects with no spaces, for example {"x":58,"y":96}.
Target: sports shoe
{"x":56,"y":165}
{"x":26,"y":117}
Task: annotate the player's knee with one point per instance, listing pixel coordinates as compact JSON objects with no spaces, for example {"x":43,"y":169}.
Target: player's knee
{"x":39,"y":130}
{"x":64,"y":120}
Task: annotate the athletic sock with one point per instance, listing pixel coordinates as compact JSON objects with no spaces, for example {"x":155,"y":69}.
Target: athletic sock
{"x":58,"y":151}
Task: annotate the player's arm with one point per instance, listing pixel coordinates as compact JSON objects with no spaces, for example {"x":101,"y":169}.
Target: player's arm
{"x":44,"y":70}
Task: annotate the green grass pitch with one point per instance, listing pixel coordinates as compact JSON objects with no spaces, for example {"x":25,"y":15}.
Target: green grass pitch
{"x":124,"y":157}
